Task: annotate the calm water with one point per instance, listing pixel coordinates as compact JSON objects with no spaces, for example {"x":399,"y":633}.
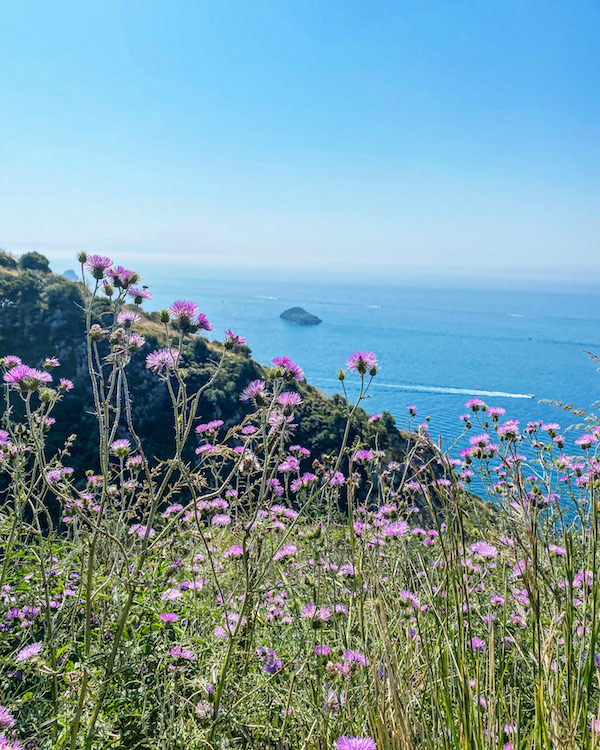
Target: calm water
{"x":436,"y":348}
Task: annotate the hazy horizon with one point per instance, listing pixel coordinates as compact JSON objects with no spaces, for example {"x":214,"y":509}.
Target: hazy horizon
{"x":357,"y":141}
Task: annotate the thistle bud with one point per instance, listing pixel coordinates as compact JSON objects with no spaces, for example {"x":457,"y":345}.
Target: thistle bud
{"x":341,"y":374}
{"x":164,"y":316}
{"x":81,"y":257}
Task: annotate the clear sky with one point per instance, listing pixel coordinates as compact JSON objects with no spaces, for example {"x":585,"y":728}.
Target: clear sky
{"x":371,"y":138}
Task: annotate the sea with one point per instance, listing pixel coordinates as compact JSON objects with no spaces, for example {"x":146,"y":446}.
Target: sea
{"x":436,"y":347}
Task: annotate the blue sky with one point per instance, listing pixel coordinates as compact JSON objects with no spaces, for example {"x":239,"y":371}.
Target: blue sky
{"x":377,"y":139}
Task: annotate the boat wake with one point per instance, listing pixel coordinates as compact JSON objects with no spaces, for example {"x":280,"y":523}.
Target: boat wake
{"x":418,"y":388}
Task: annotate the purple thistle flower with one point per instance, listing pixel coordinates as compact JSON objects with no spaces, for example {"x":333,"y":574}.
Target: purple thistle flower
{"x":28,"y":653}
{"x":396,"y":529}
{"x":11,"y":360}
{"x":121,"y":277}
{"x":162,"y":360}
{"x":7,"y":744}
{"x":135,"y":342}
{"x":355,"y":657}
{"x":362,"y":362}
{"x":363,"y":456}
{"x":7,"y":720}
{"x":120,"y":447}
{"x":483,"y":549}
{"x":475,"y":404}
{"x":169,"y":617}
{"x":289,"y":399}
{"x":322,"y":650}
{"x":355,"y":743}
{"x":233,"y":339}
{"x":184,"y":309}
{"x":478,"y":645}
{"x":234,"y":551}
{"x":335,"y":479}
{"x":221,"y":520}
{"x":209,"y":427}
{"x":272,"y":665}
{"x":50,"y":363}
{"x":139,"y":294}
{"x":303,"y":482}
{"x":65,"y":385}
{"x":26,"y":378}
{"x":375,"y":417}
{"x":128,"y":318}
{"x":254,"y":391}
{"x":289,"y":370}
{"x":98,"y":265}
{"x":584,"y":441}
{"x":203,"y":323}
{"x":557,"y":550}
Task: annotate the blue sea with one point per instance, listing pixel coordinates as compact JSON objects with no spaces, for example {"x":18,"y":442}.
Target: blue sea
{"x":436,"y":347}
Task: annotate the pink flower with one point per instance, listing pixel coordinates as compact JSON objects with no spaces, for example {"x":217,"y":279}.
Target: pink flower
{"x":233,"y":339}
{"x":29,"y":652}
{"x":254,"y":391}
{"x":289,"y":370}
{"x":26,"y":378}
{"x":162,"y":360}
{"x":355,"y":743}
{"x":362,"y":362}
{"x":98,"y":265}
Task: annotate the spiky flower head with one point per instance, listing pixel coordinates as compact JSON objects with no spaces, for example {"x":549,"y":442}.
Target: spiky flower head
{"x":26,"y":378}
{"x":128,"y":318}
{"x":120,"y":447}
{"x":355,"y":743}
{"x":139,"y":294}
{"x":50,"y":363}
{"x":362,"y":362}
{"x":135,"y":342}
{"x":122,"y":277}
{"x":284,"y":367}
{"x":10,"y":361}
{"x":184,"y":312}
{"x":233,"y":339}
{"x":476,"y":404}
{"x":29,"y":652}
{"x":162,"y":360}
{"x":7,"y":720}
{"x":255,"y":391}
{"x":98,"y":265}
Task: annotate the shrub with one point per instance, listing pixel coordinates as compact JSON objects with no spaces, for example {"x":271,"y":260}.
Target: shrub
{"x":34,"y":261}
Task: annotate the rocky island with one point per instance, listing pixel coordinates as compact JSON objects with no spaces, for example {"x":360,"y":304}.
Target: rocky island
{"x":300,"y":316}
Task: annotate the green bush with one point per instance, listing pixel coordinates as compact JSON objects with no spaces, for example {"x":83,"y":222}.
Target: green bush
{"x":34,"y":262}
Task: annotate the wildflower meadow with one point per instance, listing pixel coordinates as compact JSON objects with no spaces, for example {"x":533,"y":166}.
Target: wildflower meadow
{"x":257,"y":596}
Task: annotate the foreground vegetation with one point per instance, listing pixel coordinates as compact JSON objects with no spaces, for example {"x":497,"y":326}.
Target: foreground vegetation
{"x":242,"y":593}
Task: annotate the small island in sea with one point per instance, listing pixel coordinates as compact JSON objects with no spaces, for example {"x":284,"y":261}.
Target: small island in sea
{"x":300,"y":316}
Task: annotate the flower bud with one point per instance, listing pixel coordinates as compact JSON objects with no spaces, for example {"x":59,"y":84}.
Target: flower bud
{"x":108,"y":289}
{"x":45,"y":394}
{"x":341,"y":374}
{"x":81,"y":257}
{"x":164,"y":316}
